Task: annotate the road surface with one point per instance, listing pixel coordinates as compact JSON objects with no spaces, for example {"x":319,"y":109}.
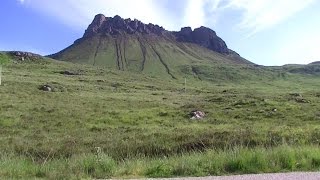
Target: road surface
{"x":273,"y":176}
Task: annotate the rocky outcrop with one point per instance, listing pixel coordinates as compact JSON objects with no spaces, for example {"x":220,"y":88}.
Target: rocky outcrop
{"x":22,"y":56}
{"x":204,"y":37}
{"x":116,"y":25}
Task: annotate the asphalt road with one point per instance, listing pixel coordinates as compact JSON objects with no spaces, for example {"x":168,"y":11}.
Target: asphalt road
{"x":273,"y":176}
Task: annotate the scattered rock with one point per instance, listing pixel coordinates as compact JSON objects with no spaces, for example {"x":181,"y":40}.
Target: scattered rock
{"x":295,"y":94}
{"x":23,"y":56}
{"x":69,"y":73}
{"x":215,"y":99}
{"x":163,"y":114}
{"x":274,"y":109}
{"x":47,"y":88}
{"x":298,"y":98}
{"x":302,"y":100}
{"x":197,"y":115}
{"x":53,"y":87}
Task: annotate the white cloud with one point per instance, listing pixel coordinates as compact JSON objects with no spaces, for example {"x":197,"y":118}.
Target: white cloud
{"x":79,"y":13}
{"x":194,"y":15}
{"x":262,"y":14}
{"x":21,"y":1}
{"x":256,"y":15}
{"x":198,"y":12}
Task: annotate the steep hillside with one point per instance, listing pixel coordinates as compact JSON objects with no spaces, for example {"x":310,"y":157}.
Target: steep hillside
{"x":130,"y":45}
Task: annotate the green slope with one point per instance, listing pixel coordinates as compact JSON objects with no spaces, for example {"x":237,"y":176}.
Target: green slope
{"x":148,"y":54}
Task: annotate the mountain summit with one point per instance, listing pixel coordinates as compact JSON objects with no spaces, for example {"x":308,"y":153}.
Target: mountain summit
{"x":202,"y":36}
{"x":117,"y":25}
{"x":131,"y":45}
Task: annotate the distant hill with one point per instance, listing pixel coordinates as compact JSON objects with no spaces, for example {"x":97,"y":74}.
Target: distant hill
{"x":315,"y":62}
{"x":130,"y":45}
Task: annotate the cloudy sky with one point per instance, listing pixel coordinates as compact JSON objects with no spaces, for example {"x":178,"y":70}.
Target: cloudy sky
{"x":266,"y":32}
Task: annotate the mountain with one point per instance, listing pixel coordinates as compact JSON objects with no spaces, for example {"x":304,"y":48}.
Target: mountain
{"x":315,"y":63}
{"x":130,"y":45}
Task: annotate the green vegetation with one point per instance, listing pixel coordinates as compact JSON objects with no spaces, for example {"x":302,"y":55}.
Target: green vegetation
{"x":212,"y":162}
{"x":151,"y":55}
{"x":4,"y":59}
{"x":107,"y":123}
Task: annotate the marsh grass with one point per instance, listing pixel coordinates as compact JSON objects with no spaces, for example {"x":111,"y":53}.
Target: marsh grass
{"x":239,"y":160}
{"x":142,"y":127}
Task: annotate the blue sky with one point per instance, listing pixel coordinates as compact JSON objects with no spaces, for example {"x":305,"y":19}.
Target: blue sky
{"x":266,"y":32}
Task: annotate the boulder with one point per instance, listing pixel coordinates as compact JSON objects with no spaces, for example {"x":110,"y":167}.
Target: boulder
{"x":302,"y":100}
{"x":197,"y":115}
{"x":295,"y":94}
{"x":69,"y":73}
{"x":46,"y":88}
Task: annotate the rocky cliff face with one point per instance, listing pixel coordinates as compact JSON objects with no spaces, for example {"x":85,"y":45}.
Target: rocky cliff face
{"x":202,"y":36}
{"x":117,"y":25}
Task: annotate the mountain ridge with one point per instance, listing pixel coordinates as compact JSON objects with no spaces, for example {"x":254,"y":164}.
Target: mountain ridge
{"x":202,"y":36}
{"x":126,"y":44}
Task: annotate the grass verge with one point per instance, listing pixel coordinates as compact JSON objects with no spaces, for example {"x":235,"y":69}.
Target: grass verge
{"x":239,"y":160}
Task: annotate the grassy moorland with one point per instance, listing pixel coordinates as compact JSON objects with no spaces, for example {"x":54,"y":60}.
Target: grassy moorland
{"x":106,"y":123}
